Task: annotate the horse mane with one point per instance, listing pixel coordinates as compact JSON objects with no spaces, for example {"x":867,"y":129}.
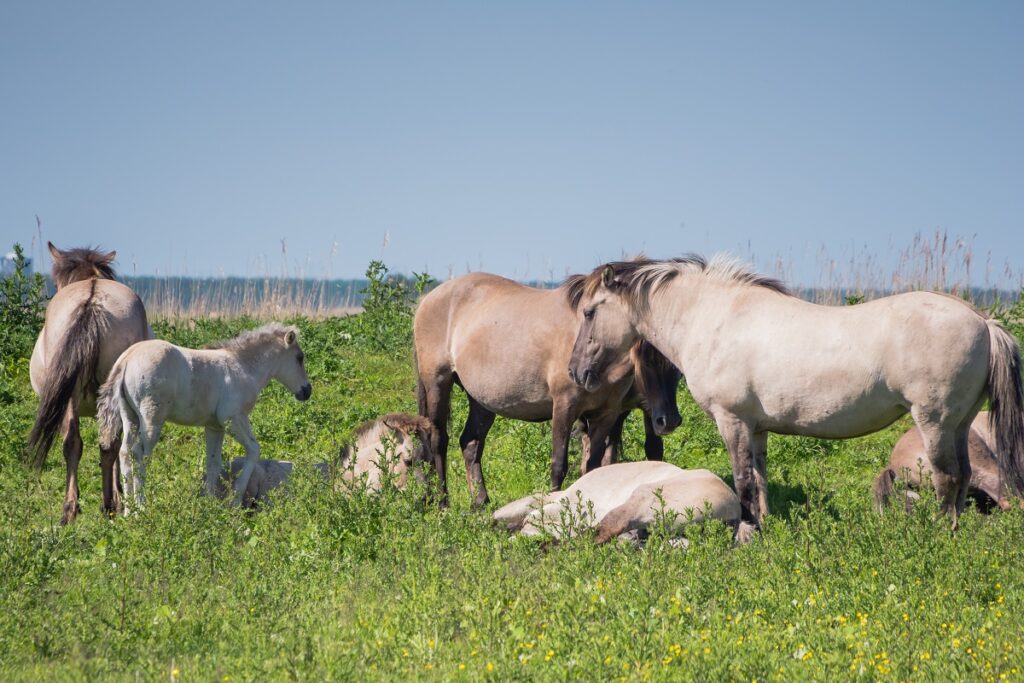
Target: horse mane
{"x":641,"y":277}
{"x":83,"y":263}
{"x":574,"y":286}
{"x":253,"y":339}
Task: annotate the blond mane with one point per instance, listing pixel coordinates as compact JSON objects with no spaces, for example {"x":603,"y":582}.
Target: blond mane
{"x":639,"y":278}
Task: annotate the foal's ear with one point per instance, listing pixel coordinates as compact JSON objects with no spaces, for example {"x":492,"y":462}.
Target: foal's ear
{"x":56,"y":253}
{"x":289,"y":337}
{"x":109,"y":257}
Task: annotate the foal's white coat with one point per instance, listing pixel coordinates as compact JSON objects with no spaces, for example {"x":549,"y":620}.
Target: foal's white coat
{"x":758,"y":360}
{"x":154,"y":382}
{"x":622,"y":498}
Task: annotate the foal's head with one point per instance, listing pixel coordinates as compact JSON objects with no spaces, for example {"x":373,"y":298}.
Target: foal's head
{"x":290,"y":368}
{"x":657,"y":381}
{"x":73,"y":265}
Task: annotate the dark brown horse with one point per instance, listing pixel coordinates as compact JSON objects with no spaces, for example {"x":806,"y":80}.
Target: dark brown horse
{"x":89,"y":322}
{"x":508,"y":346}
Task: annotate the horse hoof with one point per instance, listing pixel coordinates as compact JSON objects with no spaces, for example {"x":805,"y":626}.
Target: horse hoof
{"x":71,"y":511}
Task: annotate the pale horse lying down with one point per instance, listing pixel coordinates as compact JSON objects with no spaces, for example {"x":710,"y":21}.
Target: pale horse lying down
{"x":623,"y":500}
{"x":154,"y":382}
{"x":909,"y":463}
{"x":378,"y":445}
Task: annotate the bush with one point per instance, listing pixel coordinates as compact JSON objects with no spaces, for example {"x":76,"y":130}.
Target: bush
{"x":386,"y":321}
{"x":22,"y":307}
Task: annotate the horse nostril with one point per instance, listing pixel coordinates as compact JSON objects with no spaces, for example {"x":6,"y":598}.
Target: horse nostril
{"x":661,"y":422}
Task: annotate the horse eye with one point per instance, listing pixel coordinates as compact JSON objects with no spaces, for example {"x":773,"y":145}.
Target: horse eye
{"x":301,"y":357}
{"x":589,"y":314}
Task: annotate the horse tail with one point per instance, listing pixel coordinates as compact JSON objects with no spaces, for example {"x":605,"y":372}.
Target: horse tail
{"x":72,"y":371}
{"x":1006,"y":399}
{"x":108,"y":406}
{"x":883,"y":487}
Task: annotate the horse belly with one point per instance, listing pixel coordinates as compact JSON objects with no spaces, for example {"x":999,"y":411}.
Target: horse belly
{"x":841,"y":417}
{"x":519,"y":398}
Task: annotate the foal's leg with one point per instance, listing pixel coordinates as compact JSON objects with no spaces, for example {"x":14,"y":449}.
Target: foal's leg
{"x":214,"y":461}
{"x":72,"y":454}
{"x":127,"y":456}
{"x":739,"y":440}
{"x":241,"y":431}
{"x":108,"y":469}
{"x":562,"y":416}
{"x":472,"y":442}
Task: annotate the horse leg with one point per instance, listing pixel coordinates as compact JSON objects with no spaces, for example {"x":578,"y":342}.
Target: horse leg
{"x":759,"y":449}
{"x":613,"y":451}
{"x":108,"y":469}
{"x":72,"y":454}
{"x":946,"y":447}
{"x":127,"y":456}
{"x":435,"y":404}
{"x":598,"y":431}
{"x":739,"y":439}
{"x":654,"y":445}
{"x":472,"y":442}
{"x":241,"y":431}
{"x":563,"y":415}
{"x":214,"y":461}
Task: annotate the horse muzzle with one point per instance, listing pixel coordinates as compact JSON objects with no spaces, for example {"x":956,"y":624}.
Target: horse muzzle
{"x":666,"y":423}
{"x":304,"y":393}
{"x":588,"y":380}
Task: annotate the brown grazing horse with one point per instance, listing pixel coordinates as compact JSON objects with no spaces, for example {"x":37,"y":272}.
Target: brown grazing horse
{"x":909,"y":462}
{"x":89,"y":322}
{"x":508,"y":346}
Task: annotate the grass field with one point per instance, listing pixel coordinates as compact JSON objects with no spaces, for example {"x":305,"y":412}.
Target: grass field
{"x":329,"y":586}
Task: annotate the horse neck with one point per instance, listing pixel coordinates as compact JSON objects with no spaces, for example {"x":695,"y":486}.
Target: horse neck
{"x":670,"y":314}
{"x":257,"y":365}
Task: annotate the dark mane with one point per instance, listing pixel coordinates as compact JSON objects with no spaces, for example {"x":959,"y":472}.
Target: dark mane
{"x":641,"y":277}
{"x":574,"y":286}
{"x":84,"y":263}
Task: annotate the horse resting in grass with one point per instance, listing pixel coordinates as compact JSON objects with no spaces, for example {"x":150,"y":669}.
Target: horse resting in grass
{"x":89,"y":322}
{"x":507,"y":345}
{"x":910,"y":464}
{"x":759,"y":360}
{"x":154,"y":382}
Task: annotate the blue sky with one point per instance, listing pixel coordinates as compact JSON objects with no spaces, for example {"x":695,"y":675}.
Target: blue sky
{"x":528,"y":138}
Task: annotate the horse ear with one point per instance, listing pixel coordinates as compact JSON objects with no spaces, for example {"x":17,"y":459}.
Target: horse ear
{"x":56,"y":253}
{"x":109,"y":256}
{"x":289,"y":337}
{"x":608,"y":277}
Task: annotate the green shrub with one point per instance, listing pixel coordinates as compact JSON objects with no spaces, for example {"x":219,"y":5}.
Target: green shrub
{"x":22,"y":307}
{"x":386,"y":321}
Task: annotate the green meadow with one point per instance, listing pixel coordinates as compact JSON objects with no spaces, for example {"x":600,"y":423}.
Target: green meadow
{"x":326,"y":585}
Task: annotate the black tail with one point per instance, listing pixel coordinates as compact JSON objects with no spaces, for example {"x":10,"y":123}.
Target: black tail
{"x":71,"y":372}
{"x":883,"y":487}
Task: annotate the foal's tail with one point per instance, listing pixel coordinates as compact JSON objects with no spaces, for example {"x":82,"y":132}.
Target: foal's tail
{"x":1006,"y":399}
{"x":108,"y":407}
{"x":71,"y":373}
{"x":883,"y":488}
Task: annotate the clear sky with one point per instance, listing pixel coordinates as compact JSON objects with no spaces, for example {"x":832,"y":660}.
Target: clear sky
{"x":525,"y":138}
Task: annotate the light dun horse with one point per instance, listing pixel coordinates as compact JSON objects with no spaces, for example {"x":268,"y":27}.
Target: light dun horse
{"x":154,"y":382}
{"x":90,"y":321}
{"x":759,"y":360}
{"x":508,"y":346}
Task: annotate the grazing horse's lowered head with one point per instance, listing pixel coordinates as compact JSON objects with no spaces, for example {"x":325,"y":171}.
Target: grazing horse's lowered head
{"x":74,"y":265}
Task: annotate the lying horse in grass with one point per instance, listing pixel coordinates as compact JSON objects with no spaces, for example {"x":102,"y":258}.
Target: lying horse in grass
{"x":382,"y":449}
{"x":154,"y":382}
{"x":760,"y":360}
{"x":624,"y":499}
{"x":508,"y":345}
{"x":909,"y":462}
{"x":90,"y":321}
